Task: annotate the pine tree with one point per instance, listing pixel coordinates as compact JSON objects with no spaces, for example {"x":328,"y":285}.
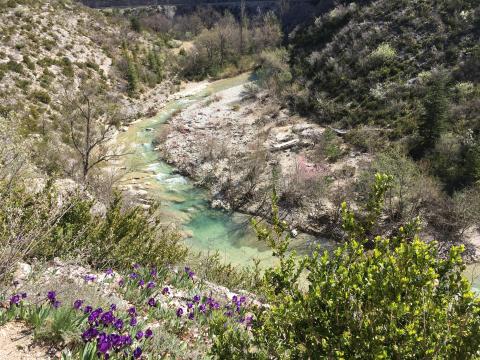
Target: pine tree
{"x":132,"y":75}
{"x":432,"y":121}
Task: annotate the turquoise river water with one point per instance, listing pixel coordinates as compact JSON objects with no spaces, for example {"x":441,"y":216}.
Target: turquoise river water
{"x":183,"y":203}
{"x":187,"y":206}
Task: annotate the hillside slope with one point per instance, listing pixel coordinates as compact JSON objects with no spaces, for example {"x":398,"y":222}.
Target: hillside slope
{"x":48,"y":49}
{"x":372,"y":60}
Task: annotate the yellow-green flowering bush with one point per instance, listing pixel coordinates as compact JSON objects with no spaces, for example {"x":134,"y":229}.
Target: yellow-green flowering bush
{"x":371,"y":298}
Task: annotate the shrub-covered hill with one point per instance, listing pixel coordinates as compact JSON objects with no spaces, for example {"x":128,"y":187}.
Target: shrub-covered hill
{"x":49,"y":48}
{"x":372,"y":63}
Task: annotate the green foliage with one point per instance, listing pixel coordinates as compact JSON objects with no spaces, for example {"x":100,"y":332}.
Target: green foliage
{"x":231,"y":340}
{"x":329,"y":146}
{"x":28,"y":62}
{"x":119,"y":238}
{"x":12,"y":66}
{"x":397,"y":300}
{"x":41,"y":96}
{"x":67,"y":68}
{"x":433,"y":119}
{"x":57,"y":326}
{"x":155,"y":63}
{"x":135,"y":24}
{"x":274,"y":72}
{"x":122,"y":237}
{"x":212,"y":268}
{"x":361,"y":63}
{"x":131,"y":75}
{"x":221,"y":49}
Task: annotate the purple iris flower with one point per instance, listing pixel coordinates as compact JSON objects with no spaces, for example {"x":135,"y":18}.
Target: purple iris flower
{"x":116,"y":340}
{"x":132,"y":311}
{"x":166,"y":291}
{"x":24,"y":295}
{"x":133,"y":275}
{"x":179,"y":312}
{"x":152,"y":302}
{"x":248,"y":321}
{"x":89,"y":334}
{"x":56,"y":304}
{"x":15,"y":300}
{"x":94,"y":315}
{"x":153,"y":272}
{"x":189,"y":272}
{"x":103,"y":346}
{"x":196,"y":298}
{"x":113,"y":307}
{"x":141,"y":283}
{"x":148,"y":333}
{"x":150,"y":285}
{"x":104,"y":343}
{"x":89,"y":277}
{"x":234,"y":298}
{"x":202,"y":308}
{"x":242,"y":299}
{"x":77,"y":304}
{"x":189,"y":305}
{"x":51,"y":295}
{"x":139,"y":335}
{"x":133,"y":321}
{"x":229,"y":313}
{"x":118,"y":324}
{"x":107,"y":318}
{"x":88,"y":309}
{"x":127,"y":340}
{"x":136,"y":266}
{"x":121,"y":282}
{"x":191,"y":316}
{"x":137,"y":353}
{"x":109,"y":272}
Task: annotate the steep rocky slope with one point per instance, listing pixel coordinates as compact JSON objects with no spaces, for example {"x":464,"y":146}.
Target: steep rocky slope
{"x":48,"y":49}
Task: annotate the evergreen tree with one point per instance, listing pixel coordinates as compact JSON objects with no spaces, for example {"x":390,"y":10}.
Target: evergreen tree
{"x":132,"y":75}
{"x":432,"y":121}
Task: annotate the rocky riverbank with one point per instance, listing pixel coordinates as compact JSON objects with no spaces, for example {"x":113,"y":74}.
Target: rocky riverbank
{"x":236,"y":142}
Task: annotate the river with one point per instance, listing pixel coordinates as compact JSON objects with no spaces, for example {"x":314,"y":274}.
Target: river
{"x":184,"y":204}
{"x":187,"y":207}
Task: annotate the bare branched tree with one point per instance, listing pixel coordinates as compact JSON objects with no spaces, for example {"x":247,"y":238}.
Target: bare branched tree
{"x":242,"y":25}
{"x":92,"y":117}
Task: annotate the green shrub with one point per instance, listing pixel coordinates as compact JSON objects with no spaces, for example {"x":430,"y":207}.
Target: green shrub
{"x":119,"y":238}
{"x":122,"y":237}
{"x":14,"y":66}
{"x":330,"y":146}
{"x":398,"y":300}
{"x":67,"y":68}
{"x":41,"y":96}
{"x":28,"y":62}
{"x":274,"y":72}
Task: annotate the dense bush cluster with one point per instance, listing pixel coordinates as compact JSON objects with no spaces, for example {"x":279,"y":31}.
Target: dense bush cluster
{"x":371,"y":298}
{"x":229,"y":43}
{"x":47,"y":225}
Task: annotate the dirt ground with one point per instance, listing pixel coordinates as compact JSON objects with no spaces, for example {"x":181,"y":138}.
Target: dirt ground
{"x":16,"y":343}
